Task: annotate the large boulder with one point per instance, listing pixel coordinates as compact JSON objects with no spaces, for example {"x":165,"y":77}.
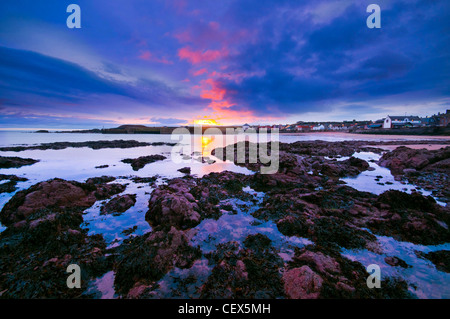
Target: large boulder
{"x":119,"y":204}
{"x":322,"y":262}
{"x":145,"y":259}
{"x":302,"y":283}
{"x":173,"y":205}
{"x":406,"y":158}
{"x":56,"y":194}
{"x":350,"y":167}
{"x":253,"y":272}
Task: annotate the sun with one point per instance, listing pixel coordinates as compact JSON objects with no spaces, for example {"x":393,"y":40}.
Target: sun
{"x":206,"y":140}
{"x":206,"y":122}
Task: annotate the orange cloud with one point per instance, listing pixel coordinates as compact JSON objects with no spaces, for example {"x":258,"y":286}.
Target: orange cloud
{"x":221,"y":109}
{"x":211,"y":90}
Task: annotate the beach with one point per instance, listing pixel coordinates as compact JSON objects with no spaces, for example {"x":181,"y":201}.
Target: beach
{"x":148,"y":227}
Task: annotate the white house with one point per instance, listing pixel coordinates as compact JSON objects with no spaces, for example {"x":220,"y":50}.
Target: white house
{"x":319,"y":127}
{"x":400,"y":121}
{"x":387,"y":122}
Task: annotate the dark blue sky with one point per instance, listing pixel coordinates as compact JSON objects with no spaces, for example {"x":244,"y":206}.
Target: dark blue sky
{"x":166,"y":62}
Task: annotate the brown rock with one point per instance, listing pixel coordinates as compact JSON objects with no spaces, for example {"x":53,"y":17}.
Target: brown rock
{"x":395,"y":261}
{"x":56,"y":193}
{"x":119,"y":204}
{"x":173,"y":205}
{"x":302,"y":283}
{"x":322,"y":262}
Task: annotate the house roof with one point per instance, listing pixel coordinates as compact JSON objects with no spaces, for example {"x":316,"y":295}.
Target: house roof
{"x":402,"y":117}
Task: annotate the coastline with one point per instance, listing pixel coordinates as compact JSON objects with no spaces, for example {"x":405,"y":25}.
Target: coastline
{"x":153,"y":229}
{"x":357,"y":136}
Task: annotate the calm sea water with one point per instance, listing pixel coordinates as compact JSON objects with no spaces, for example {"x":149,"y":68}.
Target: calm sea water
{"x":9,"y":138}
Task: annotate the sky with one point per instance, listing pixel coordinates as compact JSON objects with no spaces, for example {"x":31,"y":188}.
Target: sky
{"x":176,"y":62}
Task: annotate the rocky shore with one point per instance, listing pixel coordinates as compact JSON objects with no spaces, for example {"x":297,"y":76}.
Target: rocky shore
{"x":96,"y":145}
{"x":44,"y":236}
{"x":140,"y":162}
{"x":424,"y":168}
{"x":306,"y":199}
{"x":15,"y":162}
{"x":9,"y":183}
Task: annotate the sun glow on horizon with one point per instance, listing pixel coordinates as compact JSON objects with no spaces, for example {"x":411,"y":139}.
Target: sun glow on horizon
{"x":206,"y":122}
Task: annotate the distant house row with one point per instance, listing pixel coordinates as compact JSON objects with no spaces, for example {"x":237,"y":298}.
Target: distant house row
{"x":297,"y":128}
{"x":401,"y":121}
{"x":412,"y":121}
{"x":389,"y":122}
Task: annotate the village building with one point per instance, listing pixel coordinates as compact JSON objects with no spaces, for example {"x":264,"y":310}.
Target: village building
{"x":444,"y":119}
{"x":429,"y":121}
{"x":319,"y":127}
{"x":303,"y":128}
{"x":401,"y":121}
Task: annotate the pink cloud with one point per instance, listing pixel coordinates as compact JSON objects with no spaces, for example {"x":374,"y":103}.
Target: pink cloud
{"x":201,"y":34}
{"x":196,"y":57}
{"x":212,"y":90}
{"x":214,"y":25}
{"x":184,"y":36}
{"x":148,"y":56}
{"x":200,"y":72}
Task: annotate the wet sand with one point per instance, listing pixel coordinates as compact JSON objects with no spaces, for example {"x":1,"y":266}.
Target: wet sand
{"x":430,"y":147}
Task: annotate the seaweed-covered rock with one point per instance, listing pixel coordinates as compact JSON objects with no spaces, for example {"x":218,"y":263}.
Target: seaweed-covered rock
{"x":54,"y":194}
{"x":302,"y":283}
{"x":409,"y":217}
{"x":252,"y":272}
{"x":13,"y":162}
{"x":406,"y":158}
{"x":322,"y":272}
{"x":118,"y":204}
{"x":145,"y":259}
{"x":11,"y":181}
{"x":350,"y":167}
{"x":185,"y":170}
{"x":441,"y":259}
{"x":395,"y":261}
{"x":35,"y":254}
{"x":333,"y":231}
{"x":103,"y":188}
{"x":91,"y":144}
{"x":332,"y":217}
{"x":173,"y":205}
{"x":140,"y":162}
